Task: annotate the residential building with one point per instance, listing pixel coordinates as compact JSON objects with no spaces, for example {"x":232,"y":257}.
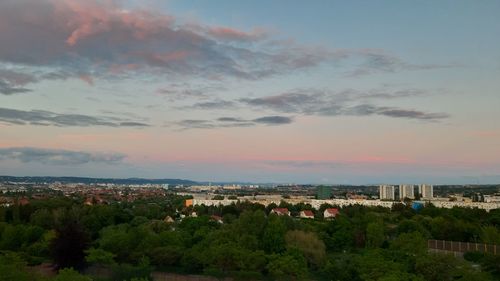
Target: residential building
{"x":330,"y":213}
{"x":406,"y":191}
{"x":168,"y":219}
{"x":426,"y":191}
{"x":324,"y":192}
{"x":307,"y":214}
{"x":386,"y":192}
{"x":280,"y":211}
{"x":216,"y":219}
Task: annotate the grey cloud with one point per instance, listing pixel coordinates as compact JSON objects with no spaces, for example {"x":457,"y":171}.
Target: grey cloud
{"x":174,"y":94}
{"x":304,"y":102}
{"x":133,"y":124}
{"x":216,"y":104}
{"x":367,"y":109}
{"x":7,"y":89}
{"x":232,"y":122}
{"x":273,"y":120}
{"x":58,"y":156}
{"x":182,"y":91}
{"x":413,"y":114}
{"x":230,"y":119}
{"x":378,"y":61}
{"x":350,"y":102}
{"x":195,"y":124}
{"x":12,"y":82}
{"x":48,"y":118}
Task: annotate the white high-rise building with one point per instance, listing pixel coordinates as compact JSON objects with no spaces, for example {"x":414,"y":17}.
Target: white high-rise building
{"x":386,"y":192}
{"x":426,"y":191}
{"x":406,"y":191}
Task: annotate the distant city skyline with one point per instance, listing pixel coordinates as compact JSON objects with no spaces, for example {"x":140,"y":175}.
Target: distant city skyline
{"x":320,"y":92}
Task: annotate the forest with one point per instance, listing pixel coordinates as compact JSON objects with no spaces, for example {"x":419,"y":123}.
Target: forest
{"x":243,"y":241}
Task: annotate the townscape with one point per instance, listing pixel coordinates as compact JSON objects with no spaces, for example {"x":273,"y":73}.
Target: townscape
{"x":248,"y":140}
{"x":111,"y":231}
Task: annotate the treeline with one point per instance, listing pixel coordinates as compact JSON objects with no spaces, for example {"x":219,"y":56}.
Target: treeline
{"x":126,"y":241}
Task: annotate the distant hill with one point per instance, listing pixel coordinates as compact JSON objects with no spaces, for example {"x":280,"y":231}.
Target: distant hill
{"x":95,"y":180}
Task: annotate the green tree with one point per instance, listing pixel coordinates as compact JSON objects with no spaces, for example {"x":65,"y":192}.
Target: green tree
{"x":69,"y":274}
{"x":42,"y":218}
{"x":374,"y":235}
{"x":290,"y":266}
{"x":436,"y":267}
{"x":308,"y":244}
{"x":13,"y":268}
{"x":100,"y":257}
{"x":490,"y":235}
{"x":273,"y":240}
{"x":377,"y":265}
{"x":410,"y":244}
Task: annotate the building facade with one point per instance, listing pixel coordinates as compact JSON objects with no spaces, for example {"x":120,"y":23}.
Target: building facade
{"x":406,"y":191}
{"x":324,"y":192}
{"x":426,"y":191}
{"x":386,"y":192}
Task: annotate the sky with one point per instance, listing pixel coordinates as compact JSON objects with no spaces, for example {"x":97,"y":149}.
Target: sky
{"x":321,"y":92}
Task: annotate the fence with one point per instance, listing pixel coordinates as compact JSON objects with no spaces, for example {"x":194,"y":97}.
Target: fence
{"x":459,"y":248}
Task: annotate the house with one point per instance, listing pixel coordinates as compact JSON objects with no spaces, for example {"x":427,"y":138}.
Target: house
{"x":216,"y":218}
{"x":92,"y":200}
{"x":89,"y":201}
{"x":168,"y":219}
{"x":280,"y":211}
{"x":330,"y":213}
{"x":23,"y":201}
{"x":194,"y":215}
{"x":307,"y":214}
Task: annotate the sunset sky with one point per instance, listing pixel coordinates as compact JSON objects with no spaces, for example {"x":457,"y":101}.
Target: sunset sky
{"x":341,"y":92}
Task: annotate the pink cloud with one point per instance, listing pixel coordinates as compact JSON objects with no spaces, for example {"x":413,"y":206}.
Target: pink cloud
{"x":95,"y":36}
{"x":171,"y":56}
{"x":226,"y":33}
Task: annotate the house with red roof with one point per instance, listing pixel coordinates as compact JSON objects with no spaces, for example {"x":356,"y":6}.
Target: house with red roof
{"x":280,"y":211}
{"x":330,"y":213}
{"x":307,"y":214}
{"x":216,"y":219}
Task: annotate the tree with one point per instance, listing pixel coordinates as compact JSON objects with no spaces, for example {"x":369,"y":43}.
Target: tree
{"x":308,"y":244}
{"x":342,"y":266}
{"x":3,"y":214}
{"x":490,"y":235}
{"x":12,"y":267}
{"x":167,"y":255}
{"x":273,"y":240}
{"x":436,"y":267}
{"x":290,"y":266}
{"x":42,"y":218}
{"x":374,"y":235}
{"x":410,"y":244}
{"x":251,"y":222}
{"x":376,"y":265}
{"x":100,"y":257}
{"x":68,"y":247}
{"x":69,"y":274}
